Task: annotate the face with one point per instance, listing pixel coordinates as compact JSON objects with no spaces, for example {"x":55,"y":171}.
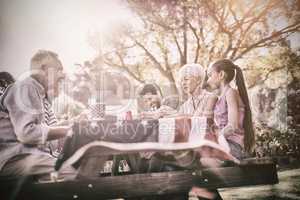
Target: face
{"x":151,"y":101}
{"x":214,"y":78}
{"x":190,"y":83}
{"x":55,"y":74}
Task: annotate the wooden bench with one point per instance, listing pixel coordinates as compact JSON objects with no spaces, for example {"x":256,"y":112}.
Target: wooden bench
{"x":249,"y":172}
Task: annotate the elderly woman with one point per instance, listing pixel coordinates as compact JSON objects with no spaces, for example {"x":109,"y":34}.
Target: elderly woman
{"x":200,"y":102}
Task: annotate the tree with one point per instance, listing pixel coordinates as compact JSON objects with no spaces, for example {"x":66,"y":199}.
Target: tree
{"x":175,"y":32}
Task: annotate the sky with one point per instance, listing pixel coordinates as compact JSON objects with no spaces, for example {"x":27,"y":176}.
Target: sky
{"x":61,"y":26}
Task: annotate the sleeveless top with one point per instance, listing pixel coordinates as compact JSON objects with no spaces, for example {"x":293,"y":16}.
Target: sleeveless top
{"x":221,"y":119}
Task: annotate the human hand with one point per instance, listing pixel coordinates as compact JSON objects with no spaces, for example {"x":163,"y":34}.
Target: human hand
{"x":150,"y":115}
{"x":227,"y":130}
{"x":83,"y":116}
{"x":167,"y":111}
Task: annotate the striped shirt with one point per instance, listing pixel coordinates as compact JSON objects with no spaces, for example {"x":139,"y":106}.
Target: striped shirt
{"x":50,"y":120}
{"x":49,"y":116}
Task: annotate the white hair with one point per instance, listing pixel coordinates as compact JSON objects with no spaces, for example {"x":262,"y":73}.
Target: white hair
{"x":192,"y":69}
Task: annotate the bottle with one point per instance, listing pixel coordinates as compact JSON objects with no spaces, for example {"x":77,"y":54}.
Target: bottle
{"x":128,"y":115}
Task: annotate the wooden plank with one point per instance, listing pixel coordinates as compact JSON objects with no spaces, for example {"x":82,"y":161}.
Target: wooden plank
{"x":113,"y":187}
{"x":254,"y":160}
{"x":244,"y":175}
{"x":154,"y":183}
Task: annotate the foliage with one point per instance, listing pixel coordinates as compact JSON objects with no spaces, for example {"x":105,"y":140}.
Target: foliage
{"x":272,"y":142}
{"x":168,"y":34}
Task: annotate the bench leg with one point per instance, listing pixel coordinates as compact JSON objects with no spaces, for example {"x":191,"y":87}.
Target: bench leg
{"x":91,"y":164}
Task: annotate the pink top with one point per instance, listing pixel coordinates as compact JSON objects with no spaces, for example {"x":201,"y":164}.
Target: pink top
{"x":221,"y":119}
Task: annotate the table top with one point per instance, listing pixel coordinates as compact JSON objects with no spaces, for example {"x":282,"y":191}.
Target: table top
{"x":155,"y":135}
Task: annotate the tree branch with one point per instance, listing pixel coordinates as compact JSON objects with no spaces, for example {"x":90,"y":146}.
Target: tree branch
{"x":289,"y":29}
{"x":151,"y":56}
{"x":198,"y":41}
{"x":119,"y":49}
{"x":185,"y":40}
{"x":177,"y":45}
{"x":266,"y":76}
{"x":123,"y":67}
{"x":215,"y":17}
{"x":253,"y":21}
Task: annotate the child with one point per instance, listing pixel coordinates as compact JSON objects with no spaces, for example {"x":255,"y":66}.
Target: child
{"x":232,"y":114}
{"x":5,"y":80}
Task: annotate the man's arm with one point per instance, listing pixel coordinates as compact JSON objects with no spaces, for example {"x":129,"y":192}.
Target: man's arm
{"x":24,"y":105}
{"x":62,"y":129}
{"x":57,"y":132}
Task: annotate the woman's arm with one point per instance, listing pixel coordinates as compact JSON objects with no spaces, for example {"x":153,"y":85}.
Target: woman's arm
{"x":206,"y":107}
{"x":233,"y":115}
{"x":208,"y":110}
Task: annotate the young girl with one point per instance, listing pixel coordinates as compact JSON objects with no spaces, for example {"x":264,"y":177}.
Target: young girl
{"x":232,"y":114}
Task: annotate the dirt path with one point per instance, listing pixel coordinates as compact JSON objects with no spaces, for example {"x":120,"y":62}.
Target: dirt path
{"x":287,"y":189}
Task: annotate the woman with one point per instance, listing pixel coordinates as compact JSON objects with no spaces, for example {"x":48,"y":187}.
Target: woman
{"x":199,"y":102}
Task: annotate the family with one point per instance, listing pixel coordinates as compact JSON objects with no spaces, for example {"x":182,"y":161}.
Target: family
{"x":29,"y":129}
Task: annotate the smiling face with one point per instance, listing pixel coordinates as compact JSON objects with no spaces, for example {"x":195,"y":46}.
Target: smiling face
{"x":151,"y":101}
{"x":189,"y":84}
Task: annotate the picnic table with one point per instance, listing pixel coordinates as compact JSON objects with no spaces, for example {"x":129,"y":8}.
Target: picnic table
{"x":91,"y":143}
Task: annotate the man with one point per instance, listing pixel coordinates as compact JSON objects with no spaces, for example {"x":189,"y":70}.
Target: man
{"x":152,"y":105}
{"x":151,"y":98}
{"x":30,"y":124}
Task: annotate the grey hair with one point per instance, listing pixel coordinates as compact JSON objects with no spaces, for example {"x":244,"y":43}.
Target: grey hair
{"x":40,"y":57}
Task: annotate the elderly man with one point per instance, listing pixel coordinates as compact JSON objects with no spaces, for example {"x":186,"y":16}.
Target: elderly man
{"x":199,"y":102}
{"x":30,"y":124}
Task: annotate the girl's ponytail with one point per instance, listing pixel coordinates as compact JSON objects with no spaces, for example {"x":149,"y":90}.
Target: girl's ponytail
{"x":249,"y":137}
